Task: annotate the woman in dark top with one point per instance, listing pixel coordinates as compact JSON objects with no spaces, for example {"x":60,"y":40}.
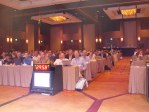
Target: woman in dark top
{"x":8,"y":60}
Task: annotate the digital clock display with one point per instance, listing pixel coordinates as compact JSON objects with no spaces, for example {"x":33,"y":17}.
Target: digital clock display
{"x":41,"y":67}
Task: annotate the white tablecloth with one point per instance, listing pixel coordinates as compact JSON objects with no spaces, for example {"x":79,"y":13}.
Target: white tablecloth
{"x":16,"y":75}
{"x":137,"y":79}
{"x":94,"y":67}
{"x":101,"y":64}
{"x":70,"y":77}
{"x":87,"y":74}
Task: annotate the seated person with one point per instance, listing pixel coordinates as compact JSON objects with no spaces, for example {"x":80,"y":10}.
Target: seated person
{"x":60,"y":60}
{"x":51,"y":56}
{"x":18,"y":60}
{"x":85,"y":57}
{"x":70,"y":55}
{"x":2,"y":56}
{"x":43,"y":59}
{"x":92,"y":56}
{"x":8,"y":60}
{"x":79,"y":62}
{"x":27,"y":59}
{"x":35,"y":56}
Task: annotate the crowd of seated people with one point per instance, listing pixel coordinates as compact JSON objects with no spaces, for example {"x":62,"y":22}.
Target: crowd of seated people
{"x":140,"y":57}
{"x":78,"y":57}
{"x":49,"y":57}
{"x":140,"y":54}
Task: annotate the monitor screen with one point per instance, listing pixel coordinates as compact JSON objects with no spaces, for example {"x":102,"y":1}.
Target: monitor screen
{"x":41,"y":79}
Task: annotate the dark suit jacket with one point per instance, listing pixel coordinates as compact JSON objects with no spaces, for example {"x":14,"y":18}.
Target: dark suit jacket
{"x":67,"y":56}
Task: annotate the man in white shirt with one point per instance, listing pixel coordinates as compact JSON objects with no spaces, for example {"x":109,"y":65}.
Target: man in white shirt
{"x":60,"y":60}
{"x":79,"y":62}
{"x":35,"y":56}
{"x":85,"y":57}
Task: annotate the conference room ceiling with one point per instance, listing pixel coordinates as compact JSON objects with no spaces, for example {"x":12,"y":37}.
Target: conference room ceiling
{"x":87,"y":11}
{"x":113,"y":12}
{"x":47,"y":18}
{"x":27,"y":4}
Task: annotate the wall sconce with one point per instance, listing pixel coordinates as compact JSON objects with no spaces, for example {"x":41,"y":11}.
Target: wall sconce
{"x":139,"y":38}
{"x":7,"y":39}
{"x":61,"y":42}
{"x":80,"y":41}
{"x":10,"y":40}
{"x":111,"y":39}
{"x":96,"y":40}
{"x":39,"y":41}
{"x":71,"y":41}
{"x":16,"y":39}
{"x":100,"y":40}
{"x":26,"y":41}
{"x":122,"y":39}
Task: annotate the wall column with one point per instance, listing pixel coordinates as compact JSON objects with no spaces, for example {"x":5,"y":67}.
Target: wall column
{"x":89,"y":36}
{"x":30,"y":36}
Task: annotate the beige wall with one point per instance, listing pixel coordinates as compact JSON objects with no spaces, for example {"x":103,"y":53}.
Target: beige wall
{"x":73,"y":36}
{"x":30,"y":36}
{"x":55,"y":38}
{"x":114,"y":34}
{"x":89,"y":36}
{"x":130,"y":33}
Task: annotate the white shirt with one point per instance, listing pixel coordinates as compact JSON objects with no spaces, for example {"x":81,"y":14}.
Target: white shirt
{"x":86,"y":59}
{"x":80,"y":62}
{"x":59,"y":61}
{"x":93,"y":57}
{"x":35,"y":58}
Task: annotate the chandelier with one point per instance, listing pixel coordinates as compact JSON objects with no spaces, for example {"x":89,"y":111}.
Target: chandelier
{"x":58,"y":18}
{"x":128,"y":12}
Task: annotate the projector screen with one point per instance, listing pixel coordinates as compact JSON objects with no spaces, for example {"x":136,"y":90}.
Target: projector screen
{"x":42,"y":79}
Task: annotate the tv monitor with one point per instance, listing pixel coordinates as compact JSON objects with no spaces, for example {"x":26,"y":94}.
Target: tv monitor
{"x":48,"y":81}
{"x":41,"y":81}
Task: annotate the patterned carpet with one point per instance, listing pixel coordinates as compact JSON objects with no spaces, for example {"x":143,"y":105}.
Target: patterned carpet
{"x":106,"y":93}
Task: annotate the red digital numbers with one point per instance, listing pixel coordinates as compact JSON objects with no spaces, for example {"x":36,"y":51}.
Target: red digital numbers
{"x":41,"y":67}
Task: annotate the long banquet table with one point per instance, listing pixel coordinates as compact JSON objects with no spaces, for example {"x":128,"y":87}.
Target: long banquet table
{"x":21,"y":76}
{"x":12,"y":75}
{"x":15,"y":75}
{"x":137,"y":79}
{"x":70,"y":77}
{"x":94,"y":67}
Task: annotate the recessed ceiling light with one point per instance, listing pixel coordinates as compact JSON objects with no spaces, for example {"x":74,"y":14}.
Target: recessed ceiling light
{"x":128,"y":12}
{"x":58,"y":18}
